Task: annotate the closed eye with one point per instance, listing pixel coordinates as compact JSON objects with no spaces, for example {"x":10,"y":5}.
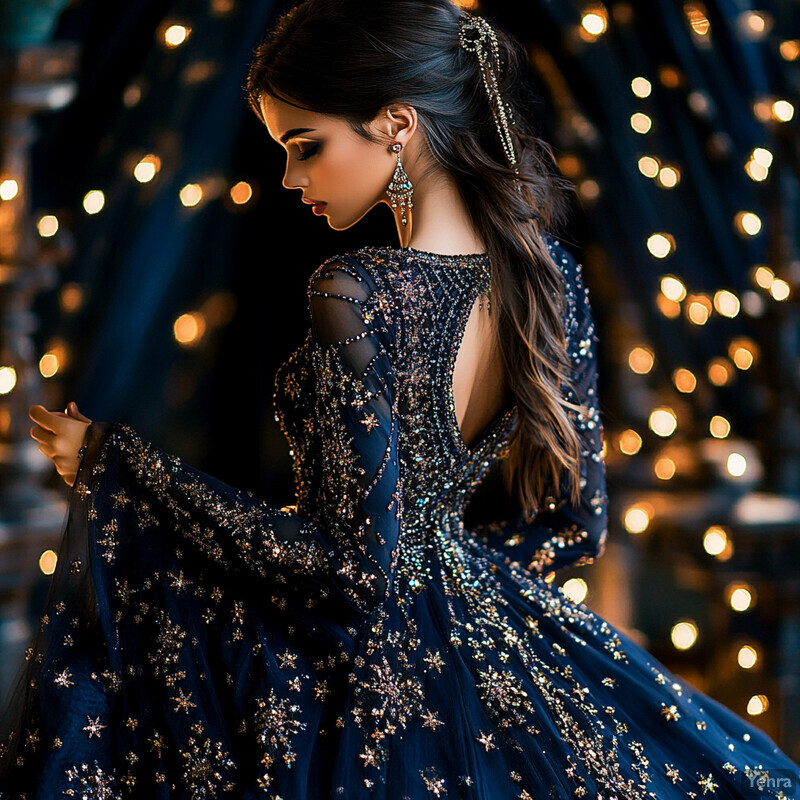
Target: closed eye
{"x":308,"y":152}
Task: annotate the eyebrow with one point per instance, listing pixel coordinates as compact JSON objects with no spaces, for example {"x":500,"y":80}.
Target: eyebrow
{"x":292,"y":132}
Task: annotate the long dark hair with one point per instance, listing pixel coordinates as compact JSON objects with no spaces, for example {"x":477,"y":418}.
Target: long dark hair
{"x":351,"y":58}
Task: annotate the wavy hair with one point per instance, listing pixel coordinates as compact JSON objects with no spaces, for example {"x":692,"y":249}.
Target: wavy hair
{"x":351,"y":58}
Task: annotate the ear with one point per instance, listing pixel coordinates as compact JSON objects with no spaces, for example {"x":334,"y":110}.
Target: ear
{"x":398,"y":122}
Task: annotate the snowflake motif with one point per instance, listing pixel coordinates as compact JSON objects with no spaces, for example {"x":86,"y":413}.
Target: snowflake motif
{"x":63,"y":679}
{"x":204,"y":769}
{"x":275,"y":722}
{"x":94,"y":727}
{"x":433,"y":782}
{"x":707,"y":782}
{"x":93,"y":783}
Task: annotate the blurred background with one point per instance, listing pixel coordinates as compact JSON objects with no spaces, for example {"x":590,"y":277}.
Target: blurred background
{"x":153,"y":269}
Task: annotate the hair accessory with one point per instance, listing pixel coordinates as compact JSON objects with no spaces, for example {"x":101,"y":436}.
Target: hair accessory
{"x":400,"y":189}
{"x":476,"y":35}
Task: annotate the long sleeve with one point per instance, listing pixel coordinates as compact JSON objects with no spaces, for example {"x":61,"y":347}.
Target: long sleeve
{"x":343,"y":552}
{"x":563,"y":534}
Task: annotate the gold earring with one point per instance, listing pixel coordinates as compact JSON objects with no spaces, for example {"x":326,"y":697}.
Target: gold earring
{"x":400,"y":189}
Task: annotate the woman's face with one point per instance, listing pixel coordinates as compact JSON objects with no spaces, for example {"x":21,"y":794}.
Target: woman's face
{"x":330,"y":163}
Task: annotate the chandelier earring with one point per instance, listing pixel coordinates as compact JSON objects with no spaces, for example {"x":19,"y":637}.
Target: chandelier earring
{"x":400,"y":191}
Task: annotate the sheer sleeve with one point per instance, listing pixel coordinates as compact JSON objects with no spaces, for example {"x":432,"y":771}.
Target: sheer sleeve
{"x":344,"y":551}
{"x":562,"y":534}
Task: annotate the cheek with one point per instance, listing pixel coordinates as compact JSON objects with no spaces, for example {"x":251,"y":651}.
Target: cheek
{"x":358,"y":173}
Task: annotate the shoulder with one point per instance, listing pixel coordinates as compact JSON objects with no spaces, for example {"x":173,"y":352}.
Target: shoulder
{"x":369,"y":267}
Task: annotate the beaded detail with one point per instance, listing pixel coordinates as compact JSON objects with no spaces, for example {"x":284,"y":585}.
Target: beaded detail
{"x":361,"y":642}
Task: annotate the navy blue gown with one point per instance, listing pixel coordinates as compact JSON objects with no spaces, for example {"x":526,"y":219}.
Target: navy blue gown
{"x":361,"y":643}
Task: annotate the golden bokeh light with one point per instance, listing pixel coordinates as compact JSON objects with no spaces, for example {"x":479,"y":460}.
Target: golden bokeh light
{"x":715,"y":540}
{"x":727,"y":303}
{"x":663,"y":421}
{"x":757,"y":704}
{"x":191,"y":194}
{"x":673,"y":288}
{"x":649,"y":166}
{"x":736,"y":465}
{"x":70,"y":297}
{"x":719,"y":427}
{"x":664,"y":468}
{"x":684,"y":380}
{"x":669,"y":177}
{"x":9,"y":189}
{"x":189,"y":328}
{"x":48,"y":365}
{"x":790,"y":49}
{"x":748,"y":223}
{"x":47,"y":562}
{"x":93,"y":201}
{"x":176,"y":35}
{"x":782,"y":111}
{"x":698,"y":308}
{"x":641,"y":359}
{"x":762,"y":276}
{"x":669,"y":308}
{"x":743,"y":352}
{"x":720,"y":371}
{"x":8,"y":379}
{"x":147,"y":168}
{"x":241,"y":193}
{"x":47,"y":226}
{"x":741,"y":597}
{"x":594,"y":20}
{"x":641,"y":87}
{"x":747,"y":657}
{"x":629,"y":442}
{"x":660,"y":245}
{"x":641,"y":123}
{"x":636,"y":519}
{"x":684,"y":634}
{"x":575,"y":589}
{"x":780,"y":290}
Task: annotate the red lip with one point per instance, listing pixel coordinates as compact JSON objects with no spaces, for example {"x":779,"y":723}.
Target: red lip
{"x":319,"y":208}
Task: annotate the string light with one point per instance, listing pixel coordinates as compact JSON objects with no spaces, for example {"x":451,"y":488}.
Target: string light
{"x":720,"y":371}
{"x":782,"y":111}
{"x":594,"y":20}
{"x":649,"y":166}
{"x":780,"y":290}
{"x":664,"y":468}
{"x":660,"y":245}
{"x":684,"y":634}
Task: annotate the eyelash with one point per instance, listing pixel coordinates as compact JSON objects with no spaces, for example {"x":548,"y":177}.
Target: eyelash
{"x":307,"y":153}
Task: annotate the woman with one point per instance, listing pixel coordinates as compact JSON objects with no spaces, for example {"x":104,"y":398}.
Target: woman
{"x":363,"y":643}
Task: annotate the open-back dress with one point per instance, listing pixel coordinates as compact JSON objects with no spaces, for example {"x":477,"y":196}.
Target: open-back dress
{"x":362,"y":642}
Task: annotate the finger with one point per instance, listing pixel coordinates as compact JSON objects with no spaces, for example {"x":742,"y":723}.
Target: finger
{"x":72,"y":410}
{"x":41,"y":416}
{"x":42,"y":435}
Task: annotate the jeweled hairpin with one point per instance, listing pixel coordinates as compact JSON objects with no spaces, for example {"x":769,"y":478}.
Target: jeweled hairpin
{"x":476,"y":35}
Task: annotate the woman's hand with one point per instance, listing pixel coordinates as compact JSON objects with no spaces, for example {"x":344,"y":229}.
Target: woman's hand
{"x":60,"y":436}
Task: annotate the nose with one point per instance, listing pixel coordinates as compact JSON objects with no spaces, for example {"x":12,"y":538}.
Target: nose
{"x":291,"y":177}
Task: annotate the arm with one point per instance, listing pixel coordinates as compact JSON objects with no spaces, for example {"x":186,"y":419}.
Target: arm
{"x":345,"y":551}
{"x":562,"y":534}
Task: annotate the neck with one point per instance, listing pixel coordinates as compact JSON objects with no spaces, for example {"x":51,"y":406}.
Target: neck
{"x":440,"y":219}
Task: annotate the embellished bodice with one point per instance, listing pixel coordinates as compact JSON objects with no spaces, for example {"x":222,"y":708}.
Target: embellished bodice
{"x":426,"y":299}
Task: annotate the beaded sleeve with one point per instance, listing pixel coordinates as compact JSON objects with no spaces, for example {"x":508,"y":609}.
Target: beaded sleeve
{"x":562,"y":534}
{"x":344,"y":551}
